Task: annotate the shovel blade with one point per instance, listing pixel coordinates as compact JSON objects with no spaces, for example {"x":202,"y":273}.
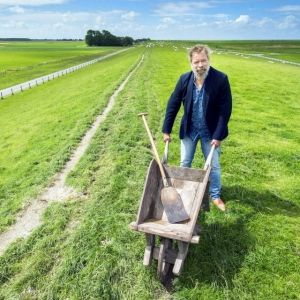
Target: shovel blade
{"x":173,"y":205}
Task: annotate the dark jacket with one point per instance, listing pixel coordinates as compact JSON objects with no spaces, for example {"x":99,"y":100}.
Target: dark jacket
{"x":217,"y":104}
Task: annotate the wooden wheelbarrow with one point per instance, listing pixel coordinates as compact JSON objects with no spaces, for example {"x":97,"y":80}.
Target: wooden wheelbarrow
{"x":171,"y":248}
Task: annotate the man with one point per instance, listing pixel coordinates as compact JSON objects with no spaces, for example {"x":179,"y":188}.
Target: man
{"x":206,"y":98}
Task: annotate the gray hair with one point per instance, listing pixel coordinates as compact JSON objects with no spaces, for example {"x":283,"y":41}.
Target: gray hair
{"x":198,"y":49}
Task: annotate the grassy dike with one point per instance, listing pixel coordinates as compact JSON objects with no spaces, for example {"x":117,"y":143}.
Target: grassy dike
{"x":84,"y":249}
{"x":39,"y":128}
{"x":23,"y":61}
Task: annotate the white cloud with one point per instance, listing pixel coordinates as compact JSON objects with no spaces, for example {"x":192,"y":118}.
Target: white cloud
{"x":264,"y":22}
{"x":180,"y":8}
{"x":194,"y":26}
{"x":129,"y":16}
{"x":14,"y":25}
{"x":161,"y":27}
{"x":220,"y":16}
{"x":100,"y":21}
{"x":289,"y":9}
{"x":168,"y":20}
{"x":242,"y":19}
{"x":16,"y":9}
{"x":165,"y":22}
{"x":58,"y":25}
{"x":31,"y":2}
{"x":50,"y":24}
{"x":186,"y":20}
{"x":289,"y":22}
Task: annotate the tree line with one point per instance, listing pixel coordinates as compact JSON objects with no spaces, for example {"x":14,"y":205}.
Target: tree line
{"x":105,"y":38}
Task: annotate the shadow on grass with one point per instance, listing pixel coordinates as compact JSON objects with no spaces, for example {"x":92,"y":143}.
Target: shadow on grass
{"x":262,"y":202}
{"x":225,"y":242}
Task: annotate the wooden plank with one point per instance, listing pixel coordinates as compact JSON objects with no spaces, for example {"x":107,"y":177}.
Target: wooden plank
{"x":187,"y":191}
{"x":182,"y":253}
{"x":157,"y":206}
{"x":205,"y":202}
{"x":149,"y":195}
{"x":150,"y":241}
{"x":162,"y":228}
{"x":189,"y":174}
{"x":195,"y":239}
{"x":198,"y":200}
{"x":183,"y":227}
{"x":133,"y":226}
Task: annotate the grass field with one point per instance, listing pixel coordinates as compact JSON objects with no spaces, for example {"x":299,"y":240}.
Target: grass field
{"x":22,"y":61}
{"x":284,"y":50}
{"x":84,"y":249}
{"x":51,"y":120}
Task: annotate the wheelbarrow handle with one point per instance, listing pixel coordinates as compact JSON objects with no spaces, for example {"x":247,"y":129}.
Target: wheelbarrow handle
{"x":209,"y":158}
{"x":165,"y":157}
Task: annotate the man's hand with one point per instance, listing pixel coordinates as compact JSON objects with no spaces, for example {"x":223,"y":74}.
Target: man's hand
{"x":167,"y":137}
{"x":217,"y":143}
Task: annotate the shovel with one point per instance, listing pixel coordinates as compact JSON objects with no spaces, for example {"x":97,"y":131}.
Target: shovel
{"x":169,"y":196}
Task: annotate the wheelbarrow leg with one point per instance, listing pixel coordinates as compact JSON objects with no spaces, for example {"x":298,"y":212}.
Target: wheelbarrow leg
{"x":150,"y":239}
{"x":182,"y":253}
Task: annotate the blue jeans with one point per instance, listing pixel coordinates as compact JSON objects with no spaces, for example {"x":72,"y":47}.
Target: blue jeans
{"x":188,"y":148}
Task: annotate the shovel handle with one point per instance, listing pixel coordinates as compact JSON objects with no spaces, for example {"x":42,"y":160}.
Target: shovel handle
{"x":209,"y":158}
{"x":165,"y":157}
{"x":156,"y":156}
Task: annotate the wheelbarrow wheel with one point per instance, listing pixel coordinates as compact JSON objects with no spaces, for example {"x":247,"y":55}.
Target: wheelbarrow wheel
{"x":164,"y":268}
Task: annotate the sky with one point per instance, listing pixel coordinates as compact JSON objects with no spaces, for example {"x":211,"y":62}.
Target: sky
{"x":154,"y":19}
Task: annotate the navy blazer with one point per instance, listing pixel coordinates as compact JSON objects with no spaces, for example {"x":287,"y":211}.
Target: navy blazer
{"x":217,"y":104}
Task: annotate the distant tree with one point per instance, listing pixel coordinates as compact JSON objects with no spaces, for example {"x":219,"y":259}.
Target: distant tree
{"x":98,"y":39}
{"x":127,"y":41}
{"x":105,"y":38}
{"x":90,"y":37}
{"x":15,"y":39}
{"x":142,"y":40}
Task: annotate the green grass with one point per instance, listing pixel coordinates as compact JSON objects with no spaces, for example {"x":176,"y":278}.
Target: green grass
{"x":280,"y":49}
{"x":286,"y":50}
{"x":250,"y":252}
{"x":22,"y":61}
{"x":40,"y":127}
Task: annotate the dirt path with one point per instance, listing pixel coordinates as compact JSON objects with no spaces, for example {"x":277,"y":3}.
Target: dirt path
{"x":30,"y":218}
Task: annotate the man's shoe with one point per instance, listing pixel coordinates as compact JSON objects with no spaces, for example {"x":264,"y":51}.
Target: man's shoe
{"x":219,"y":204}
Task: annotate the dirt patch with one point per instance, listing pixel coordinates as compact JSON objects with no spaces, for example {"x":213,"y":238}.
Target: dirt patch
{"x":30,"y":217}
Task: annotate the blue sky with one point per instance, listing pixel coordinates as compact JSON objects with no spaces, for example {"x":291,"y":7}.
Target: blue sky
{"x":155,"y":19}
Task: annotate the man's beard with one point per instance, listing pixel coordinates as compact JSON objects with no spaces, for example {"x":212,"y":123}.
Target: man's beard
{"x":201,"y":73}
